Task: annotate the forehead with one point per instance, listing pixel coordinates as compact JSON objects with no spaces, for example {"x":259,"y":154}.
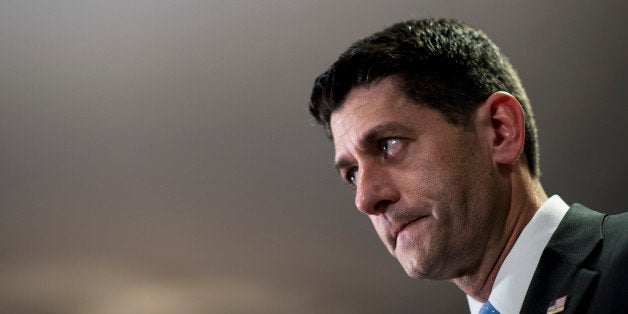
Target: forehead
{"x":367,"y":107}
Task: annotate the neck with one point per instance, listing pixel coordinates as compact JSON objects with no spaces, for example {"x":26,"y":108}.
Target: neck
{"x":526,"y":197}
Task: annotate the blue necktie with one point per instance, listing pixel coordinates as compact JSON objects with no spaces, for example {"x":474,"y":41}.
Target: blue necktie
{"x":488,"y":308}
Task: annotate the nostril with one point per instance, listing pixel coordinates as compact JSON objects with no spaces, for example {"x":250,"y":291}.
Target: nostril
{"x":382,"y":205}
{"x":370,"y":207}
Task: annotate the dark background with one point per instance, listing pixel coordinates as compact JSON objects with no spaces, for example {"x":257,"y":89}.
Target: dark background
{"x":158,"y":157}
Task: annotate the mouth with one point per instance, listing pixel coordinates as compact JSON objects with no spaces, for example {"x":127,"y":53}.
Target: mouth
{"x":401,"y":228}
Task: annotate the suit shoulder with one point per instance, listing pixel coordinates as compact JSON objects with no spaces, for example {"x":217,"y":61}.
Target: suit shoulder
{"x":615,"y":229}
{"x":621,"y":218}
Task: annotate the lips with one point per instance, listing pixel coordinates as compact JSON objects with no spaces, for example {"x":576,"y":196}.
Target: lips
{"x":401,"y":227}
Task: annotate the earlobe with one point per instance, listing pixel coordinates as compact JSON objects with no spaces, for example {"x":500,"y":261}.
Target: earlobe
{"x":507,"y":127}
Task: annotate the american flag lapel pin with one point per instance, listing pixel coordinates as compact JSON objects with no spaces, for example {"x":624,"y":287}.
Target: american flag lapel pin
{"x":557,"y":306}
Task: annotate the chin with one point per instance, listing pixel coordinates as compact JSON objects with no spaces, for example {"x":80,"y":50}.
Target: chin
{"x":422,"y":270}
{"x":413,"y":269}
{"x":427,"y":275}
{"x":415,"y":273}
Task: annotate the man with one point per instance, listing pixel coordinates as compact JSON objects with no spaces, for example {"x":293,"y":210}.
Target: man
{"x":433,"y":129}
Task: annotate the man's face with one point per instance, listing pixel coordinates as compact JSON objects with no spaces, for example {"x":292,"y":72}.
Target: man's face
{"x":427,"y":186}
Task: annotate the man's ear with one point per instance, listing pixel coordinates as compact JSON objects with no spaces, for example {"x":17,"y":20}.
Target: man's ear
{"x":503,"y":116}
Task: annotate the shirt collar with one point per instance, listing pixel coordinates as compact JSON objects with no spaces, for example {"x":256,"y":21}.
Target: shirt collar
{"x":515,"y":274}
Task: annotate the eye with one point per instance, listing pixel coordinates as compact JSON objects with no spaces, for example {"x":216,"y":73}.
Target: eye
{"x":350,"y":176}
{"x":390,"y":146}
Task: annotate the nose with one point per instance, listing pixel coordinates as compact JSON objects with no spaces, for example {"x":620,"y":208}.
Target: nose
{"x":375,"y":190}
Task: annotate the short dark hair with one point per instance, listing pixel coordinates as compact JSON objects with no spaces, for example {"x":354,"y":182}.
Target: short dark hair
{"x":439,"y":63}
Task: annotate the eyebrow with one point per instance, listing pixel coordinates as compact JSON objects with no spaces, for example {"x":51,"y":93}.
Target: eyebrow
{"x":372,"y":136}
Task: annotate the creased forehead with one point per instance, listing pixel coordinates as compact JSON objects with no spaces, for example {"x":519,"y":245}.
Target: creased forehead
{"x":369,"y":100}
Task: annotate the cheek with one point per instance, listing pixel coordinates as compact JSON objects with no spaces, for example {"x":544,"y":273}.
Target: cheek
{"x":439,"y":182}
{"x":427,"y":178}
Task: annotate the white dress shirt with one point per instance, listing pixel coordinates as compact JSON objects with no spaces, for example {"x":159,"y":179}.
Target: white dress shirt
{"x":515,"y":274}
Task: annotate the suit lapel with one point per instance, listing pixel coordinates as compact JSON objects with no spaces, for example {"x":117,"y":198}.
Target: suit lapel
{"x":563,"y":267}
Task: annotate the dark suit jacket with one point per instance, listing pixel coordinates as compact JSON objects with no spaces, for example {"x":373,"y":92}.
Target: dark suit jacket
{"x":586,"y":260}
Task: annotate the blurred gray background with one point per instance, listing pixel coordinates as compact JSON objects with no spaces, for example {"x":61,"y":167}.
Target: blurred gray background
{"x":158,"y":157}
